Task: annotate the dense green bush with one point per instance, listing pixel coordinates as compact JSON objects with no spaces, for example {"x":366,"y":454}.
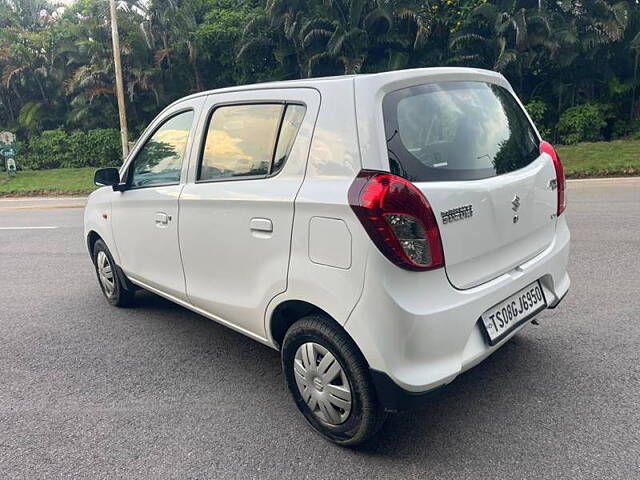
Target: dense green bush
{"x":538,"y":111}
{"x":621,"y":129}
{"x":95,"y":148}
{"x":582,"y":123}
{"x":48,"y":150}
{"x":57,"y":148}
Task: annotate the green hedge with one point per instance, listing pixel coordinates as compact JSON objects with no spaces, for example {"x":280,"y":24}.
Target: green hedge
{"x":59,"y":149}
{"x":582,"y":123}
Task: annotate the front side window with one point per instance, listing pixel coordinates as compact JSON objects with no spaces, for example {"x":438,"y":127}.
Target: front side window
{"x":249,"y":140}
{"x":159,"y":162}
{"x":456,"y":131}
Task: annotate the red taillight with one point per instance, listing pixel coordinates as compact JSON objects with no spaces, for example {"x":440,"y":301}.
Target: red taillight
{"x":398,"y":218}
{"x":545,"y":147}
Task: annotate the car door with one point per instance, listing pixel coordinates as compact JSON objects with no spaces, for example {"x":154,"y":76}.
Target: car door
{"x":236,"y":210}
{"x":145,"y":212}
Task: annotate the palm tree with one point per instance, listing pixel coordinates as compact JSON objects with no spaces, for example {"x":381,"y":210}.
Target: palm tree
{"x":276,"y":35}
{"x":352,"y":35}
{"x":497,"y":34}
{"x":28,"y":62}
{"x":351,"y":30}
{"x":169,"y":28}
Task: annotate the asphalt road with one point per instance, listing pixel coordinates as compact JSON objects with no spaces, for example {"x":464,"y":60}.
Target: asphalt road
{"x":90,"y":391}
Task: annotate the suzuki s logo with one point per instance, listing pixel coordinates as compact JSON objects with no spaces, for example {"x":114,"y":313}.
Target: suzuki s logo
{"x":515,"y":207}
{"x":516,"y":203}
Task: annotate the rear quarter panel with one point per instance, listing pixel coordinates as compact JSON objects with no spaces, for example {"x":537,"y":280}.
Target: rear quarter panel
{"x":334,"y":161}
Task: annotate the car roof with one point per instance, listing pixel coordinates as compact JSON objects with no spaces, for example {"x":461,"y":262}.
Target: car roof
{"x":318,"y":82}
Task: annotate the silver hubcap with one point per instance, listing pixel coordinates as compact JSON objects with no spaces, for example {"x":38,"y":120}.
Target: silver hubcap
{"x":105,"y":274}
{"x":322,"y":383}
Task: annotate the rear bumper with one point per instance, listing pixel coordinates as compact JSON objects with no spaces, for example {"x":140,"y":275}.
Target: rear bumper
{"x":418,"y":333}
{"x":394,"y":398}
{"x":558,"y":300}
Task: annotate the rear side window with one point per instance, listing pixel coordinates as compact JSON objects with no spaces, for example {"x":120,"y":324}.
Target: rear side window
{"x":290,"y":124}
{"x":456,"y":131}
{"x":249,"y":141}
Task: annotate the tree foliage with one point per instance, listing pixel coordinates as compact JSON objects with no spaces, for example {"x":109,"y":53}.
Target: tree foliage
{"x":56,"y":67}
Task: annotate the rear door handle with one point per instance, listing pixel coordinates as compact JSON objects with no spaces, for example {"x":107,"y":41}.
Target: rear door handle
{"x":261,"y":225}
{"x":162,"y":219}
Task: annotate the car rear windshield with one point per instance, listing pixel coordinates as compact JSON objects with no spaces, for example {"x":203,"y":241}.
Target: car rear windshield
{"x":456,"y":131}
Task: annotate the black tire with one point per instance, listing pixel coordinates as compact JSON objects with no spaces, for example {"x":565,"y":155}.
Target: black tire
{"x":119,"y":294}
{"x":366,"y":416}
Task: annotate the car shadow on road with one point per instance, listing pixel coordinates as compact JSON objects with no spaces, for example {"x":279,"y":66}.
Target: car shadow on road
{"x":503,"y":397}
{"x":465,"y":418}
{"x":150,"y":301}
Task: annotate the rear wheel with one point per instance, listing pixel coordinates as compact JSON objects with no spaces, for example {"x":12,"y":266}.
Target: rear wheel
{"x":329,"y":380}
{"x":111,"y":284}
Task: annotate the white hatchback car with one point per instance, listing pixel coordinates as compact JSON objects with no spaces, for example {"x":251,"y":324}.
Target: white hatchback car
{"x":385,"y":232}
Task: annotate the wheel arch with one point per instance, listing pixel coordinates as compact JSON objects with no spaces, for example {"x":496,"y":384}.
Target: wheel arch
{"x":92,"y":238}
{"x":288,"y":312}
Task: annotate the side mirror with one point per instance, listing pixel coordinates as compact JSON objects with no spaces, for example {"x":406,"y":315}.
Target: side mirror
{"x":107,"y":177}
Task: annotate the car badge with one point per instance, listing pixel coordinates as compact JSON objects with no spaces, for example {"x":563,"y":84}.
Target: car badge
{"x":455,"y":214}
{"x":516,"y":203}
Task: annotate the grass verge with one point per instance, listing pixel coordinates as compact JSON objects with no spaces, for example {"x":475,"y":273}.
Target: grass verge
{"x":603,"y":159}
{"x":59,"y":181}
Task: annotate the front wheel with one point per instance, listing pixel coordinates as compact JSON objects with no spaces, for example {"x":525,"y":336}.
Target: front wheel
{"x":111,"y":284}
{"x":329,"y":380}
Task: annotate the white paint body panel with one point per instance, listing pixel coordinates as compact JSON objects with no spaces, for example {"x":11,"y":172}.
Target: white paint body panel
{"x":148,"y":252}
{"x":334,"y":161}
{"x":220,"y":259}
{"x":329,"y":242}
{"x":99,"y":204}
{"x":489,"y":243}
{"x":232,"y":265}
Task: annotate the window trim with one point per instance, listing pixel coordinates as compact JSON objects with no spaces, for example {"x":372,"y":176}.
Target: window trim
{"x":129,"y":169}
{"x":275,"y":146}
{"x":205,"y":132}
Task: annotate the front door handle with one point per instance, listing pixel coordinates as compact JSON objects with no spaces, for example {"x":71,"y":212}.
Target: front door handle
{"x":261,"y":225}
{"x":162,"y":219}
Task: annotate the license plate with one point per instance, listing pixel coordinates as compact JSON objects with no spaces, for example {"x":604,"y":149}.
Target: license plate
{"x":499,"y":320}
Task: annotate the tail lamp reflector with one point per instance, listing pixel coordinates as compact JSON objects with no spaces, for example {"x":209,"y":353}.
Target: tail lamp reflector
{"x":545,"y":147}
{"x":398,"y":219}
